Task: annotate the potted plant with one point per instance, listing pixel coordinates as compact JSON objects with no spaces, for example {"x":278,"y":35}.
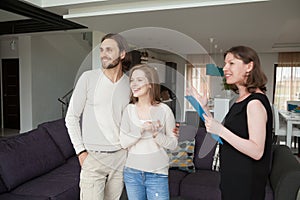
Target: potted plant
{"x":226,"y":87}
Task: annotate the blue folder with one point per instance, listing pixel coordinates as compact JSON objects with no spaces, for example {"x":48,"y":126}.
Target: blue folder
{"x":200,"y":112}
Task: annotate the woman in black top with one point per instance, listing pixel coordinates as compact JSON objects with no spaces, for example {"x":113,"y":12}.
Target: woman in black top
{"x":245,"y":154}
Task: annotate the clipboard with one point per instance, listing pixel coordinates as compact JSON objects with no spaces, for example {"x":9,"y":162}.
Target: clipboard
{"x":200,"y":112}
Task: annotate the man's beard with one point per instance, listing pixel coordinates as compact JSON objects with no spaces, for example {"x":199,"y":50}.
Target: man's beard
{"x":114,"y":63}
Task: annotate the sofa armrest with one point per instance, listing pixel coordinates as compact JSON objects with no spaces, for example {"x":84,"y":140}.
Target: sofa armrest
{"x":285,"y":173}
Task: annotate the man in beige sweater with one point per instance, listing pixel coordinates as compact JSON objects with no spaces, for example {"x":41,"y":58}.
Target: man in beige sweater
{"x":99,"y":97}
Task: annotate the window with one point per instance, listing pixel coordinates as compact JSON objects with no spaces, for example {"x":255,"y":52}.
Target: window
{"x":287,"y":85}
{"x":196,"y":76}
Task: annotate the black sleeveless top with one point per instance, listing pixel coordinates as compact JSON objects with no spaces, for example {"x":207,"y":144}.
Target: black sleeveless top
{"x":242,"y":177}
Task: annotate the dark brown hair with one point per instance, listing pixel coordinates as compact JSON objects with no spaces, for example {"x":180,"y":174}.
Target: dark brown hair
{"x":123,"y":46}
{"x":256,"y":77}
{"x":153,"y":79}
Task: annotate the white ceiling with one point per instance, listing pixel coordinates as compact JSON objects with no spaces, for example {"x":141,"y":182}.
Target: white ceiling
{"x":266,"y":26}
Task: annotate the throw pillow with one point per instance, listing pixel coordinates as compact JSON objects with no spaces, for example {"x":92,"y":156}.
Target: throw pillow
{"x":182,"y":157}
{"x":27,"y":156}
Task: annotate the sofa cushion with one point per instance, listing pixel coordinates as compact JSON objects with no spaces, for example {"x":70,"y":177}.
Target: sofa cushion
{"x":27,"y":156}
{"x":60,"y":183}
{"x":175,"y":178}
{"x":59,"y":133}
{"x":182,"y":157}
{"x":201,"y":185}
{"x":205,"y":147}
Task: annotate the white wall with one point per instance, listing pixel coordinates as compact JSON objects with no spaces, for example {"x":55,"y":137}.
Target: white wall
{"x":97,"y":36}
{"x":49,"y":65}
{"x":25,"y":83}
{"x":267,"y":62}
{"x":56,"y":58}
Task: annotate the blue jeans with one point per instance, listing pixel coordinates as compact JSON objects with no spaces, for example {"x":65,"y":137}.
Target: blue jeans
{"x":142,"y":185}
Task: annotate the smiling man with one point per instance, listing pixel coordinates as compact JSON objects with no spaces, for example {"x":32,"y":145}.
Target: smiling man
{"x":99,"y":98}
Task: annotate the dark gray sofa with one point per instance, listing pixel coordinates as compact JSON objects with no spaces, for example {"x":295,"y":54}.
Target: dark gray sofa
{"x":203,"y":184}
{"x":38,"y":165}
{"x":41,"y":164}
